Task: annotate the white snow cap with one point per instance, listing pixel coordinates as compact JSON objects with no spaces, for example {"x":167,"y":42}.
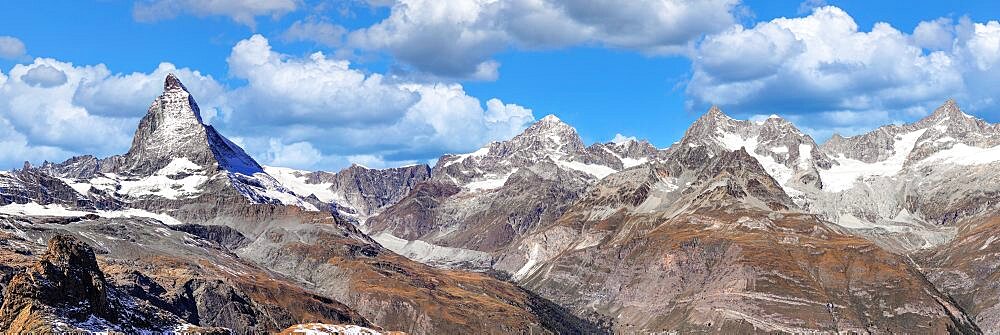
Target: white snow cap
{"x":550,"y":118}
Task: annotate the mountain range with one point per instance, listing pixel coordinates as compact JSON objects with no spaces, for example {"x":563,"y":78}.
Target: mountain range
{"x":740,"y":226}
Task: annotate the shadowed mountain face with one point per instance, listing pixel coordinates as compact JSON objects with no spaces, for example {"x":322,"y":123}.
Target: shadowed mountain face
{"x":741,"y":226}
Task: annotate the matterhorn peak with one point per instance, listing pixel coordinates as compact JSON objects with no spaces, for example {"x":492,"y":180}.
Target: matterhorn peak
{"x":551,"y":118}
{"x":171,"y":83}
{"x":172,"y":129}
{"x":177,"y":100}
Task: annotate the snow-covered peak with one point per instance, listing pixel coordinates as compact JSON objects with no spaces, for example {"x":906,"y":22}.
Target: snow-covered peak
{"x":549,"y":135}
{"x":549,"y":141}
{"x":775,"y":119}
{"x":171,"y":83}
{"x":710,"y":125}
{"x":358,"y":166}
{"x":715,"y":113}
{"x":177,"y":102}
{"x":549,"y":123}
{"x":551,"y":118}
{"x":788,"y":155}
{"x":172,"y":128}
{"x":949,"y":116}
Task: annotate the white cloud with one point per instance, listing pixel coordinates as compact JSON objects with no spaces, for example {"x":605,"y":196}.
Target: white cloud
{"x":807,"y":6}
{"x":823,"y":68}
{"x":44,"y":76}
{"x":298,"y":154}
{"x":240,"y":11}
{"x":321,"y":32}
{"x":621,"y":139}
{"x":129,"y":95}
{"x":16,"y":148}
{"x":44,"y":118}
{"x":11,"y":47}
{"x":458,"y":38}
{"x":935,"y":35}
{"x":344,"y":112}
{"x":315,"y":90}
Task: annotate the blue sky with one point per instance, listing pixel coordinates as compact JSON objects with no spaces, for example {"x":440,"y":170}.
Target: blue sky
{"x":413,"y":83}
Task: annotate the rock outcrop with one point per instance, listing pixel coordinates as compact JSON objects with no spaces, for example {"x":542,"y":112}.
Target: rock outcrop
{"x":65,"y":290}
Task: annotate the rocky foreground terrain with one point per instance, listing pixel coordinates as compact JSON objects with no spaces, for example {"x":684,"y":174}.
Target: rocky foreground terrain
{"x":739,"y":227}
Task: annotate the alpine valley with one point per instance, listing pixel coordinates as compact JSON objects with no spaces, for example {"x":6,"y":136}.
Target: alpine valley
{"x":739,"y":227}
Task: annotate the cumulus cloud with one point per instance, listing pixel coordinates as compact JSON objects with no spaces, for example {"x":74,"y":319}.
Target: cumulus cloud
{"x":458,"y":38}
{"x":240,"y":11}
{"x":17,"y":149}
{"x":129,"y":95}
{"x":342,"y":112}
{"x":935,"y":35}
{"x":315,"y":30}
{"x":807,"y":6}
{"x":44,"y":76}
{"x":621,"y":139}
{"x":823,"y":68}
{"x":298,"y":154}
{"x":45,"y":118}
{"x":11,"y":47}
{"x":314,"y":90}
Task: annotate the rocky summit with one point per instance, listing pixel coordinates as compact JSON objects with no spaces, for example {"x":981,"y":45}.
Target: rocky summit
{"x":741,"y":226}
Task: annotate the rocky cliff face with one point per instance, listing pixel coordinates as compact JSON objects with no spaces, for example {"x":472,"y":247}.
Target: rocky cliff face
{"x":789,"y":155}
{"x":66,"y":291}
{"x":28,"y":185}
{"x":966,"y":268}
{"x":151,"y":277}
{"x":721,"y":249}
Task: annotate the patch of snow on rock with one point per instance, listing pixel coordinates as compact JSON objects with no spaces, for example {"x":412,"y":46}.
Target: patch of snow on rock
{"x":295,"y":181}
{"x":431,"y":253}
{"x":962,"y":154}
{"x":35,"y":209}
{"x":842,"y":176}
{"x":329,"y":329}
{"x":599,"y":171}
